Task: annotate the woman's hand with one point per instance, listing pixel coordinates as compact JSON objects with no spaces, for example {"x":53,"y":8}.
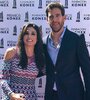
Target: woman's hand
{"x":17,"y":96}
{"x":10,"y":53}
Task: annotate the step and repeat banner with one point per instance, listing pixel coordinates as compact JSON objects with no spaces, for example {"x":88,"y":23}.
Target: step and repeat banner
{"x":15,"y":13}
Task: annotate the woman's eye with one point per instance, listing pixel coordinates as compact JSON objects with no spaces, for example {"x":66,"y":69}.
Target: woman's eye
{"x":33,"y":33}
{"x":27,"y":33}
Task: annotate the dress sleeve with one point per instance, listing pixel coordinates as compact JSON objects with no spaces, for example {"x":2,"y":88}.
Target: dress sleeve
{"x":5,"y":76}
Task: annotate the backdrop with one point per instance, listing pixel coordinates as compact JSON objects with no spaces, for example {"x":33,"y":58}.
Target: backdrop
{"x":15,"y":13}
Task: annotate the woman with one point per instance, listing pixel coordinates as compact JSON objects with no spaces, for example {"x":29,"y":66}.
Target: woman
{"x":22,"y":64}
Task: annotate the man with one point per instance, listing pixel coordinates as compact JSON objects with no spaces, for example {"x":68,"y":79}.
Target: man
{"x":66,"y":53}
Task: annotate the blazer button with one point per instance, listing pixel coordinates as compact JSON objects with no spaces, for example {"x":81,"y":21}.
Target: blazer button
{"x":55,"y":72}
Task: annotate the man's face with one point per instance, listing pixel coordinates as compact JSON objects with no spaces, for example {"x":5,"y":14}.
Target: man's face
{"x":55,"y":19}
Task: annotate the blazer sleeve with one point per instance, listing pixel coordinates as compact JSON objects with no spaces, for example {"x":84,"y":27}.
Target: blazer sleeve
{"x":84,"y":60}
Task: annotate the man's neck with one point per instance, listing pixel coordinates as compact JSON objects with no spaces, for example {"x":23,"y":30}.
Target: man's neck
{"x":56,"y":35}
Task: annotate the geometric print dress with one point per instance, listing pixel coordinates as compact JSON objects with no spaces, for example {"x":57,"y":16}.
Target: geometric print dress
{"x":15,"y":79}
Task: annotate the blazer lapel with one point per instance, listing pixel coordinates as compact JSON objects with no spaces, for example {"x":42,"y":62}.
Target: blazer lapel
{"x":61,"y":50}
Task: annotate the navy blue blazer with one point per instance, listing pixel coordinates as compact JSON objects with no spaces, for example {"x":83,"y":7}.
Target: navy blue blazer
{"x":72,"y":56}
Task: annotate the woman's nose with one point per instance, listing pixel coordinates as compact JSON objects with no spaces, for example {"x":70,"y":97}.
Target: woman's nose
{"x":29,"y":35}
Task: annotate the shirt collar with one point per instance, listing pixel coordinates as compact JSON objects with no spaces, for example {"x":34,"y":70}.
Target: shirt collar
{"x":60,"y":38}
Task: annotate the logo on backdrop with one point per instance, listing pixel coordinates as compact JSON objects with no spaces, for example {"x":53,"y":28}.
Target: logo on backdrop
{"x":49,"y":1}
{"x":27,"y":3}
{"x":38,"y":17}
{"x":40,"y":4}
{"x":86,"y":17}
{"x":1,"y":16}
{"x":1,"y":56}
{"x":11,"y":43}
{"x":79,"y":3}
{"x":15,"y":30}
{"x":14,"y":4}
{"x":40,"y":83}
{"x":89,"y":32}
{"x":26,"y":17}
{"x":66,"y":4}
{"x":78,"y":17}
{"x":79,"y":30}
{"x":2,"y":43}
{"x":13,"y":17}
{"x":88,"y":44}
{"x":4,"y":30}
{"x":4,"y":3}
{"x":40,"y":95}
{"x":68,"y":16}
{"x":48,"y":30}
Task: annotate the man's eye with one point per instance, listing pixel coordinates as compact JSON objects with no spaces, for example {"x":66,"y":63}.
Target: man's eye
{"x":58,"y":15}
{"x":51,"y":17}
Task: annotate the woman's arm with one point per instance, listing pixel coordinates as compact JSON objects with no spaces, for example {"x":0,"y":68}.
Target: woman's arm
{"x":5,"y":70}
{"x":5,"y":75}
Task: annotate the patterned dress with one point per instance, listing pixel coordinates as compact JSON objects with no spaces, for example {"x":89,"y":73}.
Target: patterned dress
{"x":14,"y":78}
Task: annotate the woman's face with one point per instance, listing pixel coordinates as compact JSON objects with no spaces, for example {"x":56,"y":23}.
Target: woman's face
{"x":30,"y":38}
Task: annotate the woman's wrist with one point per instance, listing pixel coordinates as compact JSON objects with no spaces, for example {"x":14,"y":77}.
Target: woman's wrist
{"x":11,"y":94}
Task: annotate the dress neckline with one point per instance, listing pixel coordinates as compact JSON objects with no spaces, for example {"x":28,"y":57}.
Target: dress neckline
{"x":31,"y":59}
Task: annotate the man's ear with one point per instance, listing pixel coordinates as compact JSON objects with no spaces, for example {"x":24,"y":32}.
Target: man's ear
{"x":64,"y":17}
{"x":47,"y":20}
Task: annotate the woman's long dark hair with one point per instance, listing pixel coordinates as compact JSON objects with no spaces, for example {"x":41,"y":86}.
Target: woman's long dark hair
{"x":38,"y":50}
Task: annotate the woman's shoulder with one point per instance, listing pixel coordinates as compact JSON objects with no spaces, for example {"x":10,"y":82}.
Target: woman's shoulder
{"x":10,"y":53}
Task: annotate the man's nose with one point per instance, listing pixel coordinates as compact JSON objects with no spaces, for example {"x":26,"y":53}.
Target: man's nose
{"x":54,"y":18}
